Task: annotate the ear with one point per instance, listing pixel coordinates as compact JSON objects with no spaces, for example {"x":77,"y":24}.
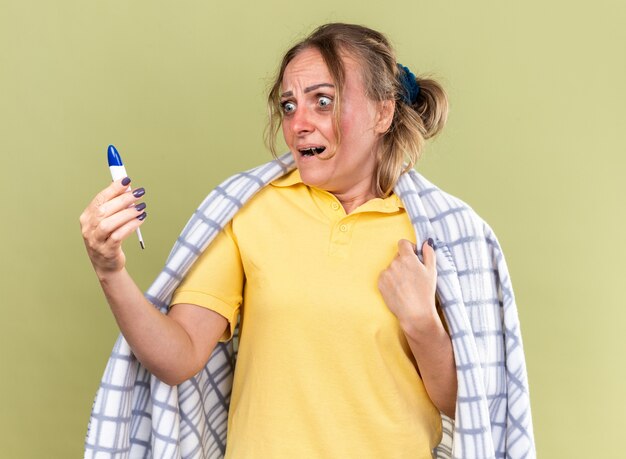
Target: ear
{"x":386,"y":109}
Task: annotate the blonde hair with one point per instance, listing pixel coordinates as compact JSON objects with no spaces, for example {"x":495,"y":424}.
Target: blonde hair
{"x":412,"y":123}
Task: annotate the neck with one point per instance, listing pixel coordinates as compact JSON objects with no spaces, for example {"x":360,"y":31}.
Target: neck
{"x":355,"y":197}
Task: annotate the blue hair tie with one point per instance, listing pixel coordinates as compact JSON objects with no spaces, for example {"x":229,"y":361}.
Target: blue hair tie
{"x":409,"y":84}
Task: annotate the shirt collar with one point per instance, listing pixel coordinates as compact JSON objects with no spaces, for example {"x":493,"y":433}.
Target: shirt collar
{"x":389,"y":204}
{"x":292,"y":178}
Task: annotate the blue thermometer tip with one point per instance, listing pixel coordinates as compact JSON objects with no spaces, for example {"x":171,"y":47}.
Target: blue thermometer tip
{"x":114,"y":157}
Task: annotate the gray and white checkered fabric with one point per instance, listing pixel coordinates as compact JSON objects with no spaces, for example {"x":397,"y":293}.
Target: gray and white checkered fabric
{"x":137,"y":416}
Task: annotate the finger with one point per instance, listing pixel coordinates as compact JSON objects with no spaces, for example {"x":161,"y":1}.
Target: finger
{"x":115,"y":222}
{"x":121,"y":202}
{"x":125,"y":230}
{"x":406,"y":247}
{"x":428,"y":253}
{"x":116,"y":188}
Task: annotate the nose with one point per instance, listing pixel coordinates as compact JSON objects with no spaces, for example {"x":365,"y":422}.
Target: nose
{"x":301,"y":122}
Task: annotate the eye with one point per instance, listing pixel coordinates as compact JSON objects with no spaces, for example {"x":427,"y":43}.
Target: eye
{"x":324,"y":102}
{"x":288,"y":107}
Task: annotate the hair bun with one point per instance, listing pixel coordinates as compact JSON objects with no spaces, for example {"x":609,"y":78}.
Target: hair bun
{"x":432,"y":106}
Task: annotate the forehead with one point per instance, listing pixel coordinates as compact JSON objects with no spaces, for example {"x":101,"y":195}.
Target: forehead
{"x":309,"y":66}
{"x":308,"y":63}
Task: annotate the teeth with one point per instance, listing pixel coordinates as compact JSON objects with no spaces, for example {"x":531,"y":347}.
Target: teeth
{"x":312,"y":151}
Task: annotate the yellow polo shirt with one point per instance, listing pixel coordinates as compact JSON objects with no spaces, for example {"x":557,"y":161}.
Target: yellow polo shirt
{"x":323,"y":370}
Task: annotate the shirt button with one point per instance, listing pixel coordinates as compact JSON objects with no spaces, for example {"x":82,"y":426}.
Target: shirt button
{"x":343,"y":228}
{"x":335,"y":206}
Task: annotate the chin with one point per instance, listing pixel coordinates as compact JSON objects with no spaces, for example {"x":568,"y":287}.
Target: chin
{"x":311,"y":177}
{"x":317,"y":170}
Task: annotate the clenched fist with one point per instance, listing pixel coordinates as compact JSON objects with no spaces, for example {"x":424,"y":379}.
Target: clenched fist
{"x":408,"y":285}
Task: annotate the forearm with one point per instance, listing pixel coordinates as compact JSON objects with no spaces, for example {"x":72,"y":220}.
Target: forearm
{"x":159,"y":343}
{"x":432,"y":348}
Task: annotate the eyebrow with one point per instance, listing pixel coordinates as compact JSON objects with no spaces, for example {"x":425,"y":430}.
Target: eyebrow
{"x":309,"y":89}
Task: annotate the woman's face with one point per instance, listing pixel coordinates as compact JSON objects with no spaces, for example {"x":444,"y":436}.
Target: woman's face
{"x":308,"y":95}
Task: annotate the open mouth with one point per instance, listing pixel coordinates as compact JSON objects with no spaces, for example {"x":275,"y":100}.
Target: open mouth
{"x":310,"y":151}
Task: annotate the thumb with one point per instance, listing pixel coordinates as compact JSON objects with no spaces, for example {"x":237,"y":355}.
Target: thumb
{"x":428,"y":251}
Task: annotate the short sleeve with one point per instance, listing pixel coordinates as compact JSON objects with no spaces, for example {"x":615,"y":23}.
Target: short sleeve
{"x":215,"y":281}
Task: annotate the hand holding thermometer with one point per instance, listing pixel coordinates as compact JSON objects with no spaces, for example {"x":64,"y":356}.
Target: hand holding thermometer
{"x":118,"y":171}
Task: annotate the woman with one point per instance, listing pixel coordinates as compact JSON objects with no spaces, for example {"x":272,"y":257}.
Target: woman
{"x":342,"y":350}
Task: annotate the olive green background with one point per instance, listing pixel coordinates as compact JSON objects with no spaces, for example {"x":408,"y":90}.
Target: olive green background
{"x":533,"y":144}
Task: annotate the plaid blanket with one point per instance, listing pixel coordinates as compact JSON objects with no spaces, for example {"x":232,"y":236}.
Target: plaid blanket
{"x":135,"y":415}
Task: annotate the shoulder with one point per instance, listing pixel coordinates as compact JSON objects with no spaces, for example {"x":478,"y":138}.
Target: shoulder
{"x":286,"y":184}
{"x":278,"y":197}
{"x":446,"y":210}
{"x":454,"y":221}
